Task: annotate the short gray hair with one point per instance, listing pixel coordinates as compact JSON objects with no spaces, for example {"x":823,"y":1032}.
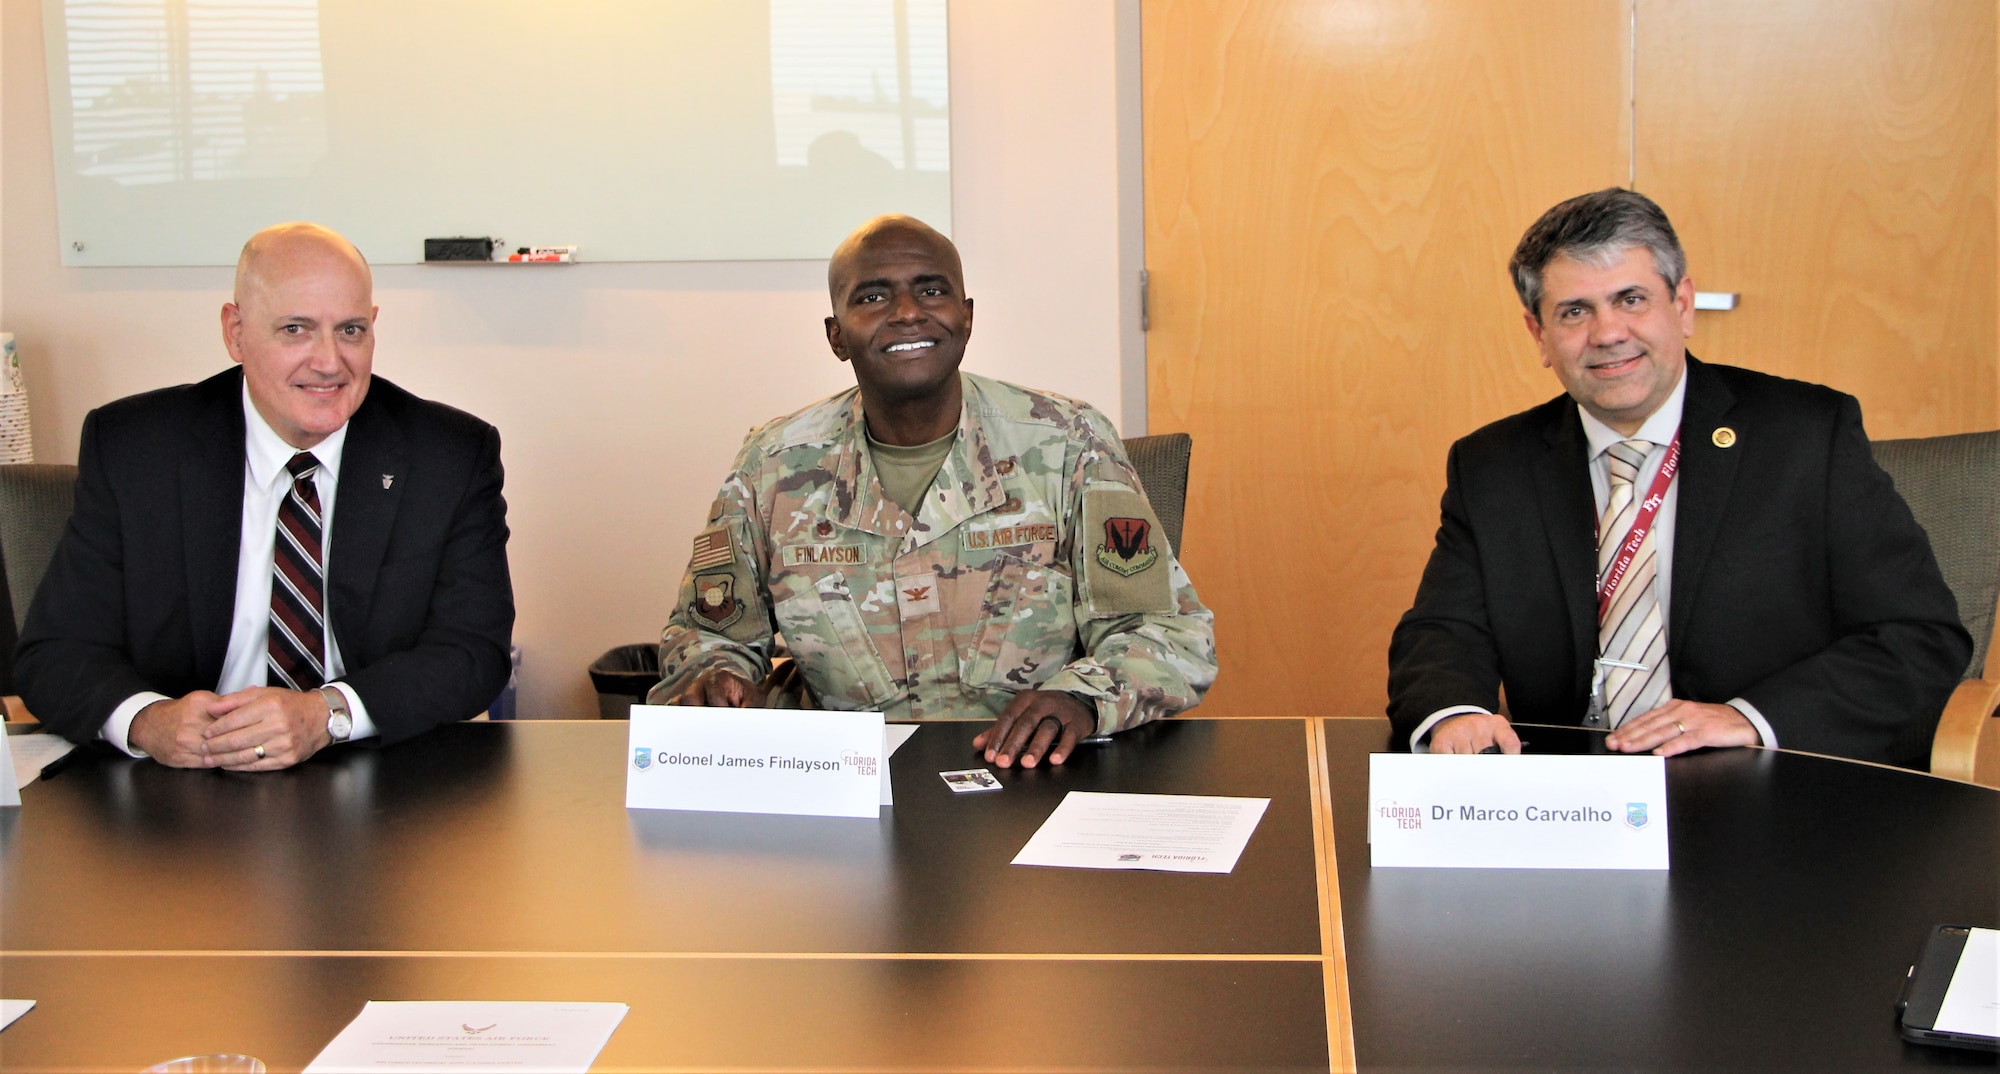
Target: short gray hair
{"x":1595,"y":229}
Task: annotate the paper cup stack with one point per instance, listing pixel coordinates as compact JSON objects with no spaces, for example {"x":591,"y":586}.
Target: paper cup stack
{"x":17,"y":444}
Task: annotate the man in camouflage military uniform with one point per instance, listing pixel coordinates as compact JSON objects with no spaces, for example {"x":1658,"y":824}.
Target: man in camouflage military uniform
{"x":938,"y":545}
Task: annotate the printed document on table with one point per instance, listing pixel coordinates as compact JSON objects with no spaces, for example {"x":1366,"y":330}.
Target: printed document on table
{"x":1972,"y":1001}
{"x":1182,"y":833}
{"x":33,"y":752}
{"x":470,"y":1037}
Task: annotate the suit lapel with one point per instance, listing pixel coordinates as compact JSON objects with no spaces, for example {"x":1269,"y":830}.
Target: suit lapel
{"x":211,"y":491}
{"x":373,"y":474}
{"x":1708,"y":474}
{"x":1562,"y":486}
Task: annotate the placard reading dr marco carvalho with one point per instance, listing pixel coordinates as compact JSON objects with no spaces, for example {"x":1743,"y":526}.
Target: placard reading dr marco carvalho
{"x":1490,"y":811}
{"x":717,"y":760}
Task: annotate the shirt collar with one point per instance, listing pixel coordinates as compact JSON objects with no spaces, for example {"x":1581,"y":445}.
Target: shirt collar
{"x":1658,"y":429}
{"x":268,"y":453}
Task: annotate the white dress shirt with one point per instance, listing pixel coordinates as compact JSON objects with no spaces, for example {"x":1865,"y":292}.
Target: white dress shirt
{"x":266,"y":483}
{"x":1658,"y":430}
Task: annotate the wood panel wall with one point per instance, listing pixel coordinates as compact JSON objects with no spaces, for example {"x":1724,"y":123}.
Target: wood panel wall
{"x":1332,"y":193}
{"x":1834,"y":163}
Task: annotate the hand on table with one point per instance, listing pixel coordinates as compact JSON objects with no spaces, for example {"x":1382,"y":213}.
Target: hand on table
{"x":170,"y":732}
{"x":1474,"y":732}
{"x":1679,"y":726}
{"x":265,"y":728}
{"x":1033,"y":722}
{"x":722,"y":688}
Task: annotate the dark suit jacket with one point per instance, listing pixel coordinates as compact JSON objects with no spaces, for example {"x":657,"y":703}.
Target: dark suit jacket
{"x":1801,"y":583}
{"x":142,"y":588}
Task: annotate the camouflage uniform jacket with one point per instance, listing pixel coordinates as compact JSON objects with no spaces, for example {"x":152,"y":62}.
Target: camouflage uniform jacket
{"x":1034,"y":562}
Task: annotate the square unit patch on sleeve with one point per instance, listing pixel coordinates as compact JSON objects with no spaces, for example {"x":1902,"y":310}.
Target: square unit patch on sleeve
{"x":1126,"y":563}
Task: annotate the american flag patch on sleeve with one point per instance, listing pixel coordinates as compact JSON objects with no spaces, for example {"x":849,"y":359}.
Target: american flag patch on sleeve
{"x":711,"y":549}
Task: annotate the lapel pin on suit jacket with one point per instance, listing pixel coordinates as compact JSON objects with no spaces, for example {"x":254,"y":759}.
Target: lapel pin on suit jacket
{"x":388,"y":479}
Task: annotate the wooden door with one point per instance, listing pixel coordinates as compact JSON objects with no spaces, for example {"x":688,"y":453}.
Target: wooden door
{"x":1834,"y":163}
{"x":1332,"y":193}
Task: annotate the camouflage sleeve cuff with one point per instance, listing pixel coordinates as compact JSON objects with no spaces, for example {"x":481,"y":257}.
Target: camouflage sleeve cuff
{"x":1092,"y":684}
{"x":679,"y":675}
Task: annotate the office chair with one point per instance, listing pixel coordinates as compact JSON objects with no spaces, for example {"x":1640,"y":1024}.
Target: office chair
{"x":1952,"y":484}
{"x":35,"y":503}
{"x":1162,"y":462}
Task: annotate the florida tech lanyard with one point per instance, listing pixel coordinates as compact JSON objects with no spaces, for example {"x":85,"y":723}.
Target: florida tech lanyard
{"x":1607,"y":586}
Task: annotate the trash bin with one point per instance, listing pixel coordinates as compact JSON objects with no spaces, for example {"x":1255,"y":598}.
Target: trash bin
{"x":622,"y":677}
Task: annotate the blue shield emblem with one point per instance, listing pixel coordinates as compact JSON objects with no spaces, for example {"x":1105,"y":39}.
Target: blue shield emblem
{"x":642,"y":758}
{"x":1635,"y":815}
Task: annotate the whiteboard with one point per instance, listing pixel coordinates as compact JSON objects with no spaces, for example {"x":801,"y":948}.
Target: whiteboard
{"x":638,"y":130}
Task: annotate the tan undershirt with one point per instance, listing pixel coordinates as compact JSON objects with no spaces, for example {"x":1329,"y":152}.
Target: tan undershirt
{"x":906,"y":473}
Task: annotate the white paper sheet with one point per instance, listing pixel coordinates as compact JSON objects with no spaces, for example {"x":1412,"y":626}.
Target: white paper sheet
{"x":11,"y":1009}
{"x":893,"y":737}
{"x":471,"y":1037}
{"x":1181,"y":833}
{"x":1972,"y":1001}
{"x":32,"y":752}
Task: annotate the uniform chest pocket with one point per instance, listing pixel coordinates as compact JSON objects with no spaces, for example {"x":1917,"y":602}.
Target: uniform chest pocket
{"x":1030,"y":628}
{"x":828,"y":637}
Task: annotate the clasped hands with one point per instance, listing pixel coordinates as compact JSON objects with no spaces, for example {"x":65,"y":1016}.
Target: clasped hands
{"x":1675,"y":727}
{"x":256,"y":729}
{"x":1036,"y":724}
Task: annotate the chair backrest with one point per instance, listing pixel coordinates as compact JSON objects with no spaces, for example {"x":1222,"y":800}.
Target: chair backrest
{"x":35,"y":501}
{"x":1162,"y":462}
{"x":1952,"y":484}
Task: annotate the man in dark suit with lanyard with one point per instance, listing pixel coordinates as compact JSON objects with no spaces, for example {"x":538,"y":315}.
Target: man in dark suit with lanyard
{"x":1684,"y":554}
{"x":284,"y":556}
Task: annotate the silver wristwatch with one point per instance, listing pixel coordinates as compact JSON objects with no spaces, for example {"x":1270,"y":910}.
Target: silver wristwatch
{"x":339,"y":724}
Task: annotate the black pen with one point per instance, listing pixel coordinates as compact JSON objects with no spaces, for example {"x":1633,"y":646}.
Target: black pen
{"x":56,"y":766}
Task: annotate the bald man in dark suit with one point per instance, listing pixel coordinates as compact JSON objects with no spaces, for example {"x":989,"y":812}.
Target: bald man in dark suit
{"x":289,"y":554}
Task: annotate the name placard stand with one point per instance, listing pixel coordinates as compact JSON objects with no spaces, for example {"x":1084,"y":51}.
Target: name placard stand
{"x":1522,"y":812}
{"x":826,"y":764}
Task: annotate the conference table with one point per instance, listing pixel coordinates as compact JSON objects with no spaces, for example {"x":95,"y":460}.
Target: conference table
{"x":155,"y":913}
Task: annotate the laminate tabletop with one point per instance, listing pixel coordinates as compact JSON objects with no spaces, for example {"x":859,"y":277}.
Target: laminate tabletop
{"x":1801,"y":890}
{"x":155,"y":912}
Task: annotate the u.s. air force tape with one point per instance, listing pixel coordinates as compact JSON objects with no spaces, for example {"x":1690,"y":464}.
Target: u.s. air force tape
{"x":1125,"y":556}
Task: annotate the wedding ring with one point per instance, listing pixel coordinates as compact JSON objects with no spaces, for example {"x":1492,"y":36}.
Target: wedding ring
{"x":1681,"y":727}
{"x":260,"y":753}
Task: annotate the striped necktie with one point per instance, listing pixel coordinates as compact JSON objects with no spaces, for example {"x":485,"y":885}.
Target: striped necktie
{"x":1631,"y":631}
{"x":295,"y":645}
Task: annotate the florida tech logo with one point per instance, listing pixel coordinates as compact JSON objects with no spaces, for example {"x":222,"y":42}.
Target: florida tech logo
{"x":1635,"y":815}
{"x":642,"y":758}
{"x":715,"y":600}
{"x":1126,"y":549}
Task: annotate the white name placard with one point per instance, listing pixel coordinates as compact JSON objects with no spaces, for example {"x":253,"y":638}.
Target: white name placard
{"x":10,"y":788}
{"x":1492,"y":811}
{"x":827,"y":764}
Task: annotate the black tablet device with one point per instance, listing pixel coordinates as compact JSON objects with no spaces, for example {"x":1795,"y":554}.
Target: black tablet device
{"x":1952,"y":995}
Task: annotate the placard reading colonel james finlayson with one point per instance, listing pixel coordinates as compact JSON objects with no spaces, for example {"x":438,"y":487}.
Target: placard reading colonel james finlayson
{"x":827,"y":764}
